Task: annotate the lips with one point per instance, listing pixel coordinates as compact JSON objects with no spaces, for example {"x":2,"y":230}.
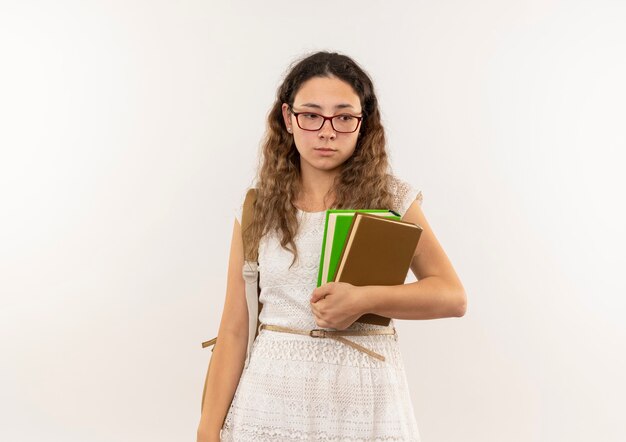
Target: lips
{"x":325,"y":149}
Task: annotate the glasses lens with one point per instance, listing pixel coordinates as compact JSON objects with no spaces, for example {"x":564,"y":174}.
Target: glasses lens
{"x":345,"y":123}
{"x":310,"y":121}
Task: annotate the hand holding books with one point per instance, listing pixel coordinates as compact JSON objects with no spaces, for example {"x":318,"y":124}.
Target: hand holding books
{"x":376,"y":249}
{"x":337,"y":304}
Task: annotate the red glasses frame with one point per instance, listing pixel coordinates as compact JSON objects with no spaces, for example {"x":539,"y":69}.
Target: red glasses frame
{"x":326,"y":118}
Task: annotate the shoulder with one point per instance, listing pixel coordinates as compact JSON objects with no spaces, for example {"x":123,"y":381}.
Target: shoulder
{"x":403,"y":193}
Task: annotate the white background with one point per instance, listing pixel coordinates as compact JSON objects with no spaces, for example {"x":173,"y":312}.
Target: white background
{"x":130,"y":129}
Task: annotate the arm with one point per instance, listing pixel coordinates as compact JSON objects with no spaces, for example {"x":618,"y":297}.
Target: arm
{"x":429,"y":298}
{"x":438,"y":293}
{"x":227,"y":359}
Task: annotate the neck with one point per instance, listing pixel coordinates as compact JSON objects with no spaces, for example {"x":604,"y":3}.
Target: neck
{"x":317,"y":184}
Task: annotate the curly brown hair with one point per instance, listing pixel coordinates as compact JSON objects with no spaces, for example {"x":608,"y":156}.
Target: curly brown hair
{"x":364,"y":178}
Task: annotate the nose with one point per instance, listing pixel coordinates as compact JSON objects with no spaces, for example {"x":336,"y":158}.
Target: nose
{"x":327,"y":130}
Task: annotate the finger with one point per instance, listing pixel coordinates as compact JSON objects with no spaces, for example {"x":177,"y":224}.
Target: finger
{"x":317,"y":295}
{"x":321,"y":291}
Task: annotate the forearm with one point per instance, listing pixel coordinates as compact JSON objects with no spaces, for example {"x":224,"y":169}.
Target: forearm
{"x":429,"y":298}
{"x":223,"y":378}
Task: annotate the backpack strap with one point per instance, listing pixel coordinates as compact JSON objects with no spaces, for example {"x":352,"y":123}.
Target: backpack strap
{"x":247,"y":216}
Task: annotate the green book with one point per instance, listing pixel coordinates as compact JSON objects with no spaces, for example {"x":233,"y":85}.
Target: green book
{"x":336,"y":229}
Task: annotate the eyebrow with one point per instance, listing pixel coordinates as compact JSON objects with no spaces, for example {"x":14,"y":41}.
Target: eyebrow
{"x":317,"y":106}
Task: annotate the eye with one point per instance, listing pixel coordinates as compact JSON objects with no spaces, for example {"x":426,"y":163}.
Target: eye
{"x":346,"y":117}
{"x":310,"y":116}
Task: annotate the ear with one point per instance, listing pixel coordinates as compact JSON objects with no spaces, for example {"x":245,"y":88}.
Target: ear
{"x":287,"y":117}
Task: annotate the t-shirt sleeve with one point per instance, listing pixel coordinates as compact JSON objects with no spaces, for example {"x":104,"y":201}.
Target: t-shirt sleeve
{"x":404,"y":194}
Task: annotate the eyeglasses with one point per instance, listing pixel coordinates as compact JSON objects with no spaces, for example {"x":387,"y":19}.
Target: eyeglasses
{"x":344,"y":123}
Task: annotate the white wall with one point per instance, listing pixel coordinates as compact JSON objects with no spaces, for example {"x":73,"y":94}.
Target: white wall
{"x":129,"y":130}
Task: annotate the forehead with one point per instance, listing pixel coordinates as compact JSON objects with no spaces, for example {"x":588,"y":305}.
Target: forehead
{"x":327,"y":94}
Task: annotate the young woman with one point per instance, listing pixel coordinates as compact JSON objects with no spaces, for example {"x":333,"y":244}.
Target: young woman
{"x":324,"y":148}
